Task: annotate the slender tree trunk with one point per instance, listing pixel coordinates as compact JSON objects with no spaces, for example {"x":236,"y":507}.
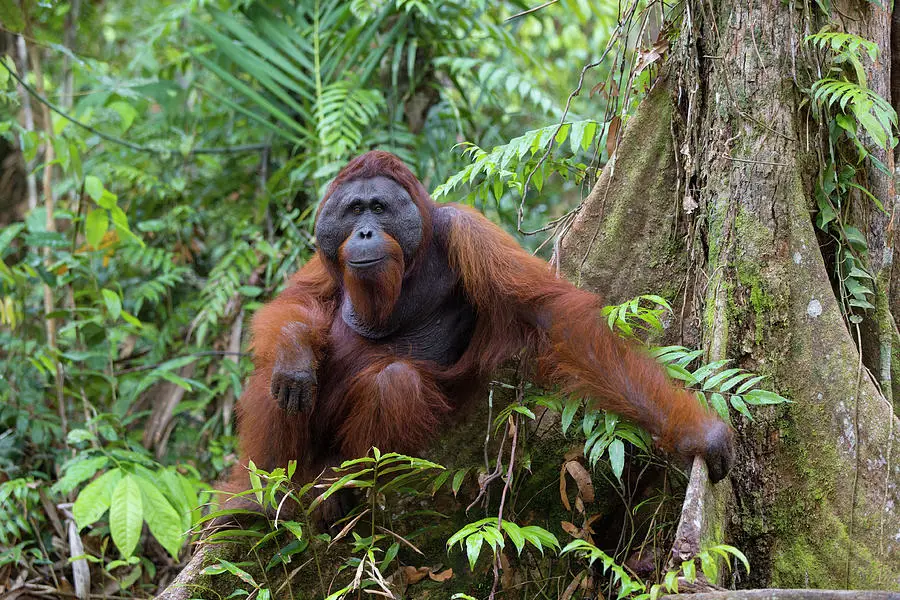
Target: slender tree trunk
{"x":724,"y":227}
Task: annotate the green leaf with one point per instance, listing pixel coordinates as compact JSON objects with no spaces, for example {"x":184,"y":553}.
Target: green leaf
{"x":540,"y":537}
{"x":389,"y":556}
{"x":569,"y":411}
{"x":739,"y":405}
{"x":113,"y":303}
{"x":94,"y":187}
{"x":493,"y":537}
{"x":127,"y":113}
{"x":749,"y":384}
{"x":9,"y":233}
{"x":718,"y":403}
{"x":562,"y":133}
{"x":716,"y":379}
{"x":764,"y":397}
{"x":473,"y":548}
{"x":95,"y":498}
{"x":690,"y":571}
{"x":515,"y":535}
{"x":95,"y":226}
{"x":734,"y":381}
{"x":856,"y":238}
{"x":617,"y":457}
{"x":458,"y":479}
{"x":162,"y":518}
{"x":708,"y":369}
{"x":77,"y":472}
{"x":680,"y":373}
{"x":238,"y":572}
{"x":126,"y":515}
{"x":737,"y":553}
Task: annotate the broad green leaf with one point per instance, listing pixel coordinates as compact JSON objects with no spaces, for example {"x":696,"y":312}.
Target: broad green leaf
{"x":515,"y":535}
{"x":94,"y":187}
{"x":95,"y":226}
{"x":540,"y":537}
{"x":457,"y":480}
{"x":127,"y":113}
{"x":718,"y":403}
{"x":113,"y":303}
{"x":126,"y":515}
{"x":389,"y":556}
{"x":473,"y":548}
{"x":716,"y":379}
{"x":162,"y":518}
{"x":734,"y":381}
{"x":739,"y":405}
{"x":763,"y":397}
{"x":95,"y":498}
{"x":569,"y":411}
{"x":617,"y":457}
{"x":749,"y":384}
{"x":79,"y":471}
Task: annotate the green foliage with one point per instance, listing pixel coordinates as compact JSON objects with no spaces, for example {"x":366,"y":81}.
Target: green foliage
{"x":472,"y":537}
{"x":639,"y":315}
{"x":129,"y":487}
{"x":620,"y":577}
{"x":506,"y":167}
{"x":187,"y":169}
{"x":715,"y":383}
{"x":844,"y":102}
{"x":19,"y":530}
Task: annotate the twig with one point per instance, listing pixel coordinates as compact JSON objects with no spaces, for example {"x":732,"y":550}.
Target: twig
{"x":530,"y":10}
{"x":520,"y":212}
{"x":506,"y":485}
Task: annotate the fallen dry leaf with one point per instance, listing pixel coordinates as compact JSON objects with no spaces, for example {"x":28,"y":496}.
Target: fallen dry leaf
{"x":563,"y":492}
{"x":442,"y":576}
{"x":571,"y":529}
{"x":583,"y":479}
{"x":415,"y":574}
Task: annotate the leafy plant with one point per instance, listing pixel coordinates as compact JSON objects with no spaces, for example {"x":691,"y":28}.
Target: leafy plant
{"x":507,"y":166}
{"x":472,"y":536}
{"x":130,"y":489}
{"x":844,"y":102}
{"x":853,"y":98}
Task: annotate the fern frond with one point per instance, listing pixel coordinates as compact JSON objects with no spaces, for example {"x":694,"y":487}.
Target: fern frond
{"x":874,"y":113}
{"x":343,"y":112}
{"x":837,"y":42}
{"x":500,"y":81}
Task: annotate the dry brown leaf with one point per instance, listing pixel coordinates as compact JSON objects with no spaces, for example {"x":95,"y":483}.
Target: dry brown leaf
{"x":442,"y":576}
{"x":563,"y":493}
{"x":571,"y":529}
{"x":579,"y":504}
{"x":583,"y":479}
{"x":415,"y":574}
{"x":588,"y":524}
{"x":570,"y":589}
{"x":612,"y":136}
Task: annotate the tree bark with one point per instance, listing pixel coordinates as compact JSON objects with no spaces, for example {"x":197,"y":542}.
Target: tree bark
{"x":813,"y":494}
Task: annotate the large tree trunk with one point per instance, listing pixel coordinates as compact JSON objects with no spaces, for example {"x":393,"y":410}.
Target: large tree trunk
{"x":813,"y":497}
